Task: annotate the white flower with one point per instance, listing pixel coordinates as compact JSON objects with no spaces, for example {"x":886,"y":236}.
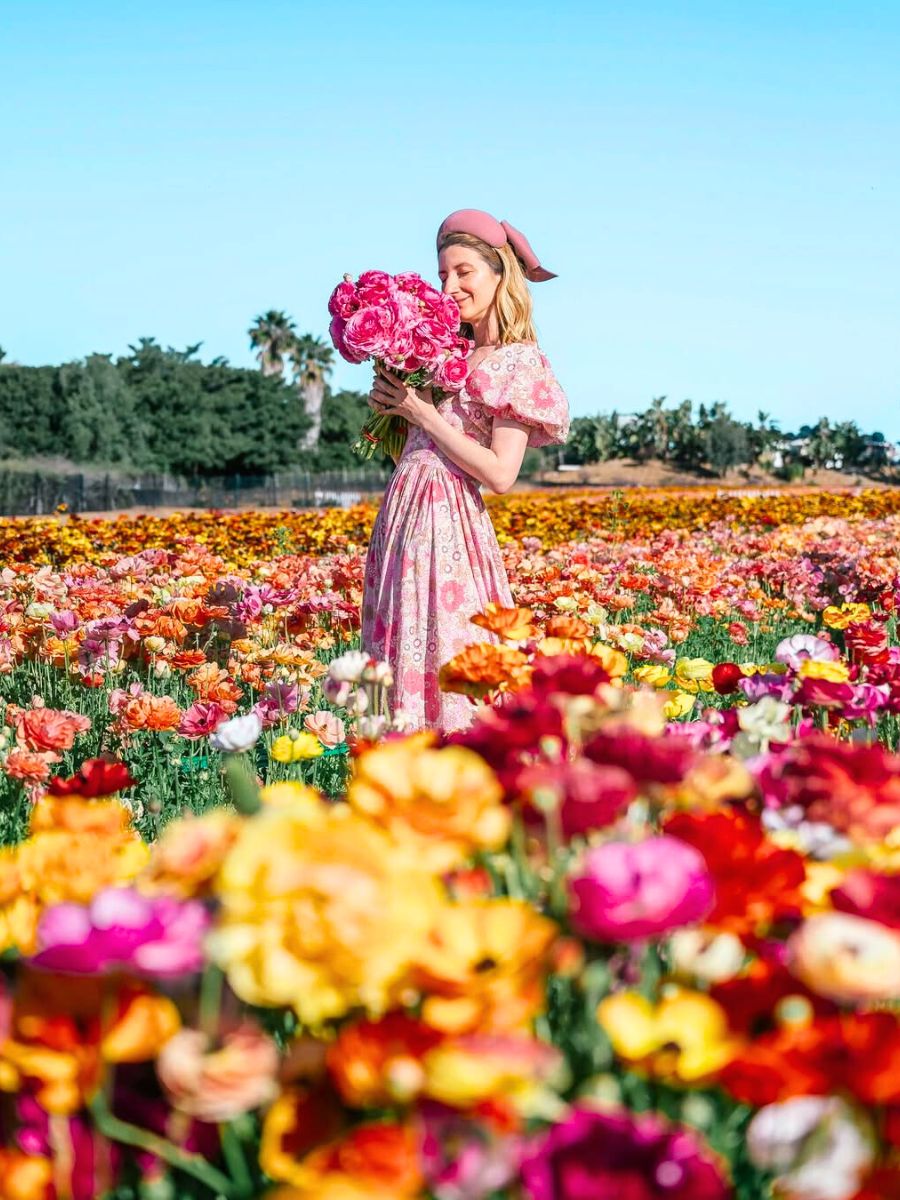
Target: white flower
{"x":337,"y":691}
{"x":802,"y":646}
{"x":348,"y":667}
{"x":820,"y":1145}
{"x":765,"y":721}
{"x":238,"y":734}
{"x":378,"y":673}
{"x":401,"y":721}
{"x":371,"y":728}
{"x":706,"y":955}
{"x":358,"y":702}
{"x":39,"y":610}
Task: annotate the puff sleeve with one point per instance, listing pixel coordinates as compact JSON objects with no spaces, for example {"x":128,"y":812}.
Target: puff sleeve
{"x":519,"y":385}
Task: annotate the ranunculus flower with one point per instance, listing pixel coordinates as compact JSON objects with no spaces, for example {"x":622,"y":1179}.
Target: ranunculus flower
{"x":624,"y":891}
{"x":587,"y":795}
{"x":237,"y":735}
{"x":819,"y":1147}
{"x":725,"y":677}
{"x":847,"y":958}
{"x":94,"y":778}
{"x":220,"y":1083}
{"x":201,"y":719}
{"x":157,"y":936}
{"x":612,"y":1155}
{"x":801,"y":647}
{"x":328,"y":728}
{"x":868,"y":894}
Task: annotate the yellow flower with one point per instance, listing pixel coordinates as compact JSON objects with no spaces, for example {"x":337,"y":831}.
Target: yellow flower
{"x":470,"y":1070}
{"x":834,"y":672}
{"x":652,"y":675}
{"x":292,"y":794}
{"x":323,"y":915}
{"x":694,"y":674}
{"x":614,"y":661}
{"x":685,"y":1037}
{"x":484,"y":965}
{"x":296,"y":746}
{"x":679,"y":704}
{"x":847,"y":614}
{"x":446,"y":804}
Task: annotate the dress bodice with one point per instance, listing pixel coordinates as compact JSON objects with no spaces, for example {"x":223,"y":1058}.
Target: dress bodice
{"x":514,"y":382}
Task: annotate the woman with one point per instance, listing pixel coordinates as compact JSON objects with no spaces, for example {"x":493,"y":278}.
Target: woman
{"x":434,"y":560}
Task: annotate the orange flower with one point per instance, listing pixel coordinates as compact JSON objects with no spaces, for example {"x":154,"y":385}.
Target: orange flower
{"x":483,"y":667}
{"x":447,"y":802}
{"x":43,"y":729}
{"x":27,"y":766}
{"x":378,"y":1161}
{"x":564,"y":625}
{"x":186,"y":859}
{"x":186,"y":660}
{"x":150,"y":712}
{"x":513,"y":624}
{"x":75,"y":814}
{"x":210,"y":682}
{"x":25,"y":1176}
{"x":379,"y":1063}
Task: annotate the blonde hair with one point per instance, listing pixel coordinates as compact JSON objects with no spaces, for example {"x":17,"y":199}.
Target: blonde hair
{"x":513,"y":299}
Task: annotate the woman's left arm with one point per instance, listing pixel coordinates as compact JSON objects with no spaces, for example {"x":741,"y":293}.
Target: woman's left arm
{"x":496,"y":466}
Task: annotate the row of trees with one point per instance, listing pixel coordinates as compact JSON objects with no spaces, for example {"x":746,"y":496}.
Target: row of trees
{"x":162,"y":409}
{"x":711,"y":438}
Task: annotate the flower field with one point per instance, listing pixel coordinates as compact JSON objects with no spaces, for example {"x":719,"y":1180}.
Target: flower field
{"x":633,"y":934}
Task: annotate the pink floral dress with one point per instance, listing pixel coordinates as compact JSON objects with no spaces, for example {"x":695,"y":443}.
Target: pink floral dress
{"x":434,"y":561}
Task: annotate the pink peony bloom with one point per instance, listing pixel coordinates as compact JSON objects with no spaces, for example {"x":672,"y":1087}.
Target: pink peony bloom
{"x":595,"y":1155}
{"x":121,"y":929}
{"x":216,"y":1084}
{"x":328,"y":728}
{"x":626,"y":891}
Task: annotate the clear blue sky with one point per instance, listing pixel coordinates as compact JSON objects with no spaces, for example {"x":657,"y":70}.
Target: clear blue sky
{"x":717,"y":184}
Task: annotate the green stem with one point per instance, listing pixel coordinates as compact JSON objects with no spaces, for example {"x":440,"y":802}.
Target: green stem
{"x":211,"y":1000}
{"x":234,"y":1157}
{"x":130,"y":1135}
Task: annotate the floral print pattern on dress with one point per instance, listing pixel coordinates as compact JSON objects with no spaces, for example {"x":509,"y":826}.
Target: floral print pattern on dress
{"x":433,"y":560}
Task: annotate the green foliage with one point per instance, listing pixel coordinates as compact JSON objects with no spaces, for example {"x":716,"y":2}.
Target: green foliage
{"x":153,"y":409}
{"x":714,"y":439}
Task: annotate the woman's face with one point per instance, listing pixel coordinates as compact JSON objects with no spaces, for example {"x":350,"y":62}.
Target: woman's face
{"x":469,"y":280}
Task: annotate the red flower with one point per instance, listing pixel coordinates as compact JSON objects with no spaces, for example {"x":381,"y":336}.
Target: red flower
{"x":867,"y":643}
{"x":756,"y":882}
{"x":859,"y":1053}
{"x":854,"y":788}
{"x":726,"y":676}
{"x":94,"y":778}
{"x":588,"y":796}
{"x":573,"y":674}
{"x":752,"y":1000}
{"x":647,"y":760}
{"x":868,"y":894}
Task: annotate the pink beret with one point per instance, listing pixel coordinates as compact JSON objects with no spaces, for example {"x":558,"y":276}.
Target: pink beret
{"x":495,"y":233}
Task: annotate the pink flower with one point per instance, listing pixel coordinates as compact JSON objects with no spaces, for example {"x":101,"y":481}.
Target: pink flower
{"x":462,"y":1159}
{"x":452,"y":374}
{"x":367,"y":332}
{"x":452,"y":595}
{"x":328,"y":728}
{"x":201,"y":719}
{"x":344,"y":301}
{"x":64,"y":622}
{"x":158,"y":936}
{"x":595,"y":1155}
{"x":804,"y":646}
{"x":219,"y":1084}
{"x":626,"y":891}
{"x":374,"y":287}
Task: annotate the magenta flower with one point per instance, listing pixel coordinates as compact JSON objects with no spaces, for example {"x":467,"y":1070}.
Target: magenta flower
{"x":122,"y":930}
{"x":596,"y":1155}
{"x":461,"y":1158}
{"x":625,"y":891}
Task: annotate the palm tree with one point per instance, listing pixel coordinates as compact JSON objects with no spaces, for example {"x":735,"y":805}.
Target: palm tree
{"x":273,"y":336}
{"x":311,"y":360}
{"x":2,"y":354}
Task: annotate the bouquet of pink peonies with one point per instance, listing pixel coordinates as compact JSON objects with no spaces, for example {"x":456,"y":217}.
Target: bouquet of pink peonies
{"x":408,"y":326}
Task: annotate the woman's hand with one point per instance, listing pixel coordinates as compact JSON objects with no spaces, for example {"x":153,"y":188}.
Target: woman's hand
{"x":391,"y":397}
